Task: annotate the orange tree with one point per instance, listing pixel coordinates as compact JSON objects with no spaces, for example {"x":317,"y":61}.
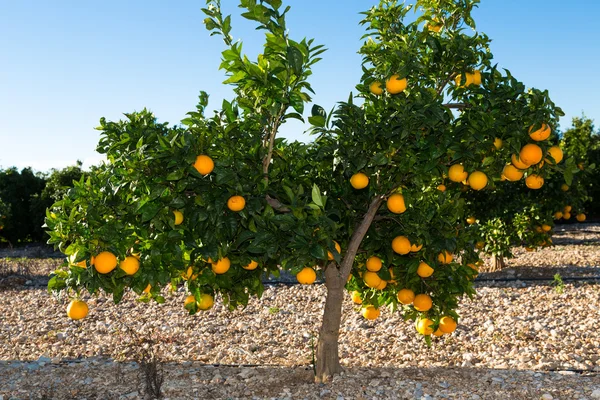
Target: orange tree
{"x":373,"y":204}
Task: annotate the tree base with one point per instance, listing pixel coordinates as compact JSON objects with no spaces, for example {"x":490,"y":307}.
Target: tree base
{"x":498,"y":263}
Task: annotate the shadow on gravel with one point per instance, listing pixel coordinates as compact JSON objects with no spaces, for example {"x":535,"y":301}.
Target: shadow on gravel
{"x":103,"y":378}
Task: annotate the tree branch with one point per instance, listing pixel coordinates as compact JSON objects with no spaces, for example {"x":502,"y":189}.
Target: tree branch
{"x":459,"y":106}
{"x":443,"y":85}
{"x":277,"y":205}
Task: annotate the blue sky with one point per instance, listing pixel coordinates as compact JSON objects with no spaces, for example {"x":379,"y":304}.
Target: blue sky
{"x":66,"y":63}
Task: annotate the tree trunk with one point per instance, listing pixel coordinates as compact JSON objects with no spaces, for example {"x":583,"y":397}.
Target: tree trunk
{"x":328,"y":359}
{"x":498,"y":263}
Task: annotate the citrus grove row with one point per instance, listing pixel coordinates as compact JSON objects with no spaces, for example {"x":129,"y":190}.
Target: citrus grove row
{"x":375,"y":204}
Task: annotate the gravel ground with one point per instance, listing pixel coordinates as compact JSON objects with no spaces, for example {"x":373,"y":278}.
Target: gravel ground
{"x":509,"y":340}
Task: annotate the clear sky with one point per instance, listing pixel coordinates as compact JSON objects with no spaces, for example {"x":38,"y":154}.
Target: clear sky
{"x":66,"y":63}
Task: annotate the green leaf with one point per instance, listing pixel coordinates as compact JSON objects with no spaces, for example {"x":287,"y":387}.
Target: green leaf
{"x":317,"y":121}
{"x":318,"y":251}
{"x":316,"y":196}
{"x":318,"y":110}
{"x":295,"y":59}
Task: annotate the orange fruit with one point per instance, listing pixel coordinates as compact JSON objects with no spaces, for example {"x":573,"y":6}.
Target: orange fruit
{"x":542,"y":133}
{"x":434,"y":26}
{"x":564,"y":187}
{"x":374,"y":264}
{"x":406,"y":296}
{"x":236,"y":203}
{"x":189,"y":300}
{"x":478,"y":180}
{"x":105,"y":262}
{"x":77,"y":309}
{"x":251,"y":266}
{"x":531,"y":154}
{"x":567,"y":209}
{"x":498,"y":143}
{"x":517,"y":162}
{"x":447,"y":324}
{"x":395,"y":85}
{"x":359,"y":181}
{"x":422,"y":302}
{"x":438,"y":333}
{"x":424,"y":270}
{"x":457,"y":173}
{"x":375,"y":88}
{"x":556,"y":153}
{"x":204,"y":164}
{"x":356,"y":298}
{"x":424,"y":326}
{"x":445,"y":257}
{"x":441,"y":188}
{"x":307,"y":276}
{"x":534,"y":181}
{"x":414,"y":247}
{"x":401,"y":245}
{"x":130,"y":265}
{"x":558,"y":215}
{"x":476,"y":76}
{"x":330,"y":256}
{"x":371,"y":279}
{"x":382,"y":285}
{"x":567,"y":216}
{"x":395,"y":203}
{"x":471,"y":220}
{"x":370,"y":312}
{"x":148,"y":288}
{"x":512,"y":173}
{"x":546,"y":228}
{"x":178,"y":217}
{"x":221,"y":266}
{"x":206,"y":301}
{"x":468,"y":79}
{"x":580,"y":217}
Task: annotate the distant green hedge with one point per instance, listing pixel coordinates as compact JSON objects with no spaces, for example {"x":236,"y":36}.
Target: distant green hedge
{"x":24,"y":197}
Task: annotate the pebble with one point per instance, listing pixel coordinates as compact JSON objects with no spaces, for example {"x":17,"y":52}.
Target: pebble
{"x":595,"y":394}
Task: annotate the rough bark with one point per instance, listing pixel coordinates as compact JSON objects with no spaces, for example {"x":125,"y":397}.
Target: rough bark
{"x":328,"y":359}
{"x":498,"y":263}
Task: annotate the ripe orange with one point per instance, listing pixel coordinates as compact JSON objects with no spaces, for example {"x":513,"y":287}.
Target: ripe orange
{"x":498,"y":143}
{"x":558,"y":215}
{"x":441,"y":188}
{"x":356,"y":297}
{"x":476,"y":77}
{"x":204,"y":164}
{"x":468,"y":79}
{"x":206,"y":301}
{"x":445,"y":257}
{"x":374,"y":264}
{"x":375,"y":88}
{"x":307,"y":276}
{"x":581,"y":217}
{"x":534,"y":181}
{"x":178,"y":217}
{"x":567,"y":215}
{"x":236,"y":203}
{"x":424,"y":326}
{"x":406,"y":296}
{"x":424,"y":270}
{"x":414,"y":247}
{"x":105,"y":262}
{"x":422,"y":302}
{"x":189,"y":300}
{"x":359,"y":181}
{"x":221,"y":266}
{"x":542,"y":133}
{"x":401,"y":245}
{"x":531,"y":154}
{"x":512,"y":173}
{"x":457,"y":173}
{"x":478,"y":180}
{"x":148,"y":288}
{"x":567,"y":209}
{"x":395,"y":203}
{"x":546,"y":228}
{"x":371,"y":279}
{"x":447,"y":324}
{"x":556,"y":153}
{"x":382,"y":285}
{"x":564,"y":187}
{"x":517,"y":162}
{"x":77,"y":309}
{"x":434,"y":25}
{"x":130,"y":265}
{"x":471,"y":220}
{"x":251,"y":267}
{"x":438,"y":333}
{"x":395,"y":85}
{"x":337,"y":246}
{"x":370,"y":312}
